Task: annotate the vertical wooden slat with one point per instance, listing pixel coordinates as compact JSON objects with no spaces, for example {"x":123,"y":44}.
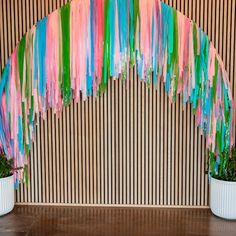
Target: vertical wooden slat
{"x":109,"y":142}
{"x":83,"y":156}
{"x":113,"y":157}
{"x":68,"y":155}
{"x":1,"y":39}
{"x":33,"y":177}
{"x":102,"y":137}
{"x":158,"y":139}
{"x":173,"y":157}
{"x":165,"y":160}
{"x":122,"y":172}
{"x":184,"y":176}
{"x":105,"y":119}
{"x":9,"y":28}
{"x":130,"y":141}
{"x":188,"y":157}
{"x":162,"y":147}
{"x":150,"y":145}
{"x":154,"y":138}
{"x":39,"y":162}
{"x":5,"y":40}
{"x":146,"y":155}
{"x":94,"y":150}
{"x":191,"y":158}
{"x":79,"y":151}
{"x":199,"y":159}
{"x":176,"y":152}
{"x":72,"y":152}
{"x":76,"y":152}
{"x":57,"y":156}
{"x":65,"y":138}
{"x":126,"y":138}
{"x":118,"y":162}
{"x":180,"y":144}
{"x":174,"y":165}
{"x":202,"y":171}
{"x":134,"y":127}
{"x":195,"y":165}
{"x":139,"y":143}
{"x":50,"y":157}
{"x":34,"y":170}
{"x":46,"y":159}
{"x":55,"y":159}
{"x":123,"y":152}
{"x":98,"y":125}
{"x":61,"y":136}
{"x":86,"y":111}
{"x":169,"y":156}
{"x":142,"y":143}
{"x":13,"y":33}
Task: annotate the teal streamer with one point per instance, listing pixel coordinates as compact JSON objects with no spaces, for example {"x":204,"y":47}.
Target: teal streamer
{"x":41,"y":52}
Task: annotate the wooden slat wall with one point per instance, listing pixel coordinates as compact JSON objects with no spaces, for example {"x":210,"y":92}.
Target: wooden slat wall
{"x":129,"y":146}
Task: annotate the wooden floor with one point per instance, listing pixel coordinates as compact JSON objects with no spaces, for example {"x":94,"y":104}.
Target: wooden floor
{"x":84,"y":221}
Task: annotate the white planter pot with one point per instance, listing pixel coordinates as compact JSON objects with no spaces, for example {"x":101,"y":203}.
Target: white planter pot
{"x":6,"y":195}
{"x":223,"y":198}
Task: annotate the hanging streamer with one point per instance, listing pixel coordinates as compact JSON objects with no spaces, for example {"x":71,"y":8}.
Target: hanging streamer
{"x":74,"y":51}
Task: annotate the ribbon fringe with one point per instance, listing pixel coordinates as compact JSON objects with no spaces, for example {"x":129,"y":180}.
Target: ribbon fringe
{"x":75,"y":50}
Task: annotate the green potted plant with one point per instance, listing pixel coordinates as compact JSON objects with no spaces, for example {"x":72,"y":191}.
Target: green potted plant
{"x":223,"y":184}
{"x":6,"y":185}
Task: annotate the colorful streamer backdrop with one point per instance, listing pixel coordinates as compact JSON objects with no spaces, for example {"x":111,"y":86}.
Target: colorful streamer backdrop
{"x":71,"y":54}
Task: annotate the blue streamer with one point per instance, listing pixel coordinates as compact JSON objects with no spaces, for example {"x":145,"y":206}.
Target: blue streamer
{"x":41,"y":51}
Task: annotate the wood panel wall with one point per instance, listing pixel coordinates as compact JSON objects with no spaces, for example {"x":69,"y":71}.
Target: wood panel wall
{"x":130,"y":146}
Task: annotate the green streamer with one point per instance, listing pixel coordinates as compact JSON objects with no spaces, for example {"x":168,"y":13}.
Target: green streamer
{"x":106,"y":49}
{"x":133,"y":26}
{"x":20,"y":57}
{"x":215,"y":77}
{"x":29,"y":65}
{"x":65,"y":28}
{"x":218,"y":135}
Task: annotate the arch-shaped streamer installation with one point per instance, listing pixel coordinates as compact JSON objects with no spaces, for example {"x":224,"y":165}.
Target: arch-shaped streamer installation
{"x":72,"y":53}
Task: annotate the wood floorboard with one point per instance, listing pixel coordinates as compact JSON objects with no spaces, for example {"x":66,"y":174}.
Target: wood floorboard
{"x":89,"y":221}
